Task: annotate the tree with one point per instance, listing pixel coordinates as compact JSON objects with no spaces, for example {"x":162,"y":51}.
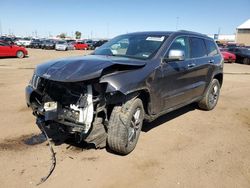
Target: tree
{"x":78,"y":34}
{"x":62,"y":35}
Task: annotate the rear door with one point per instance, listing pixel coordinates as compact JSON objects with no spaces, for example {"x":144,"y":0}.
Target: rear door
{"x":214,"y":58}
{"x":197,"y":74}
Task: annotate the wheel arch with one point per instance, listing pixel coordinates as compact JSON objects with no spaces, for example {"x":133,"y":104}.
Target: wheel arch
{"x":219,"y":77}
{"x":119,"y":98}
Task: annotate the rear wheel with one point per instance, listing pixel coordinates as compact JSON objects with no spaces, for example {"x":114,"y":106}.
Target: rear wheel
{"x":20,"y":54}
{"x":246,"y":61}
{"x":211,"y":96}
{"x":125,"y":126}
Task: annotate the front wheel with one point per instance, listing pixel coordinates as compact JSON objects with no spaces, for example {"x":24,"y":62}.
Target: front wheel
{"x":20,"y":54}
{"x":211,"y":97}
{"x":125,"y":126}
{"x":246,"y":61}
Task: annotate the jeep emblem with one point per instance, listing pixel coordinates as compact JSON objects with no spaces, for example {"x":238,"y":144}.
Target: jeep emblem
{"x":46,"y":75}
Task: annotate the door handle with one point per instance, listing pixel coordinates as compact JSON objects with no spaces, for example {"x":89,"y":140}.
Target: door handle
{"x":191,"y":65}
{"x":211,"y":61}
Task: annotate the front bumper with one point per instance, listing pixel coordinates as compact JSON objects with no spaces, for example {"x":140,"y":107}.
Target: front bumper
{"x":63,"y":48}
{"x":28,"y":92}
{"x":49,"y":47}
{"x":77,"y":116}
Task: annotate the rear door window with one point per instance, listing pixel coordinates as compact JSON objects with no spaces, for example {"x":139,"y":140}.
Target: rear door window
{"x":198,"y":48}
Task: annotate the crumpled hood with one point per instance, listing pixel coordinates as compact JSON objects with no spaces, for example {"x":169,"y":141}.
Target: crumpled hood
{"x":82,"y":68}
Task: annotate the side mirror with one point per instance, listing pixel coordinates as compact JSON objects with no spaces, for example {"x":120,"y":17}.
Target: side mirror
{"x":175,"y":55}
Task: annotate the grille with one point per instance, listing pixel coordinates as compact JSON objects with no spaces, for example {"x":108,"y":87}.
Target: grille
{"x":35,"y":81}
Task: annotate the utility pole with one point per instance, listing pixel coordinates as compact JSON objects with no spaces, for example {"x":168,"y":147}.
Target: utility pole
{"x":177,"y":23}
{"x":1,"y":32}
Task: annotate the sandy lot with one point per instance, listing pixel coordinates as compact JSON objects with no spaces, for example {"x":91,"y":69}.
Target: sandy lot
{"x":186,"y":148}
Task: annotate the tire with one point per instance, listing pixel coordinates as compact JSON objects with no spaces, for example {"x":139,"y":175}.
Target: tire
{"x":125,"y":126}
{"x":246,"y":61}
{"x":211,"y":97}
{"x":20,"y":54}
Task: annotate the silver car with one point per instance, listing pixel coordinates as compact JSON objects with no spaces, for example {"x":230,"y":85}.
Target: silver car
{"x":64,"y":45}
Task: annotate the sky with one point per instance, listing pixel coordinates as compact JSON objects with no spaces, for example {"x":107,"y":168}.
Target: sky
{"x":109,"y":18}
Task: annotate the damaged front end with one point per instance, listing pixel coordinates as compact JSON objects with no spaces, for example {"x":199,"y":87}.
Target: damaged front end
{"x":73,"y":108}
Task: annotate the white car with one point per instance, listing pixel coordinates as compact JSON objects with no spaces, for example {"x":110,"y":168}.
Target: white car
{"x":63,"y":45}
{"x":23,"y":42}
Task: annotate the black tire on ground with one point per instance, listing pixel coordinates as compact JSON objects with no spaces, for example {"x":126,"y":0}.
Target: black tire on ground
{"x":125,"y":126}
{"x":210,"y":99}
{"x":246,"y":61}
{"x":20,"y":54}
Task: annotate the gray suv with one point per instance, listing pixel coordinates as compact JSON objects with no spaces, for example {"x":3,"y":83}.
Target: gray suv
{"x":105,"y":97}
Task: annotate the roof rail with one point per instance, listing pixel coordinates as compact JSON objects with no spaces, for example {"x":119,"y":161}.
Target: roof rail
{"x":191,"y":32}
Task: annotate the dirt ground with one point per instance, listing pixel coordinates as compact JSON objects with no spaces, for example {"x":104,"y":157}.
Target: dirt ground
{"x":186,"y":148}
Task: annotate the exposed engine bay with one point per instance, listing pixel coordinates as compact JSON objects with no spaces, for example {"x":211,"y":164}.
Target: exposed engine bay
{"x":76,"y":108}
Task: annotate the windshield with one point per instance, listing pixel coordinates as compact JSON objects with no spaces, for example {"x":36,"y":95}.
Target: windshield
{"x":133,"y":46}
{"x":61,"y":42}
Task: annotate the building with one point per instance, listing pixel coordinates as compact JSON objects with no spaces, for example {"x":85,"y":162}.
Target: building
{"x":243,"y":33}
{"x":223,"y":38}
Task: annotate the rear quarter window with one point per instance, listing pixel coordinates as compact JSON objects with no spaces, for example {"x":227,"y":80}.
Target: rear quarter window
{"x":197,"y":47}
{"x":211,"y":48}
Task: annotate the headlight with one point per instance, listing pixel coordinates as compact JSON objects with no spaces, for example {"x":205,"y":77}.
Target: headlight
{"x":35,"y":81}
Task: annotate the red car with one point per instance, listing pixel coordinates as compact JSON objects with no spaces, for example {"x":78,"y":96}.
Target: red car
{"x":81,"y":45}
{"x":228,"y":56}
{"x":10,"y":50}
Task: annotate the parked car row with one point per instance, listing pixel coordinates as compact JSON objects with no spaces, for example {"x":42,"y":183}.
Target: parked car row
{"x":66,"y":44}
{"x":242,"y":54}
{"x":9,"y":47}
{"x":236,"y":54}
{"x":28,"y":42}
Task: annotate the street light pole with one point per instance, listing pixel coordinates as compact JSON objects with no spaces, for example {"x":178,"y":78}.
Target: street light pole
{"x":1,"y":28}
